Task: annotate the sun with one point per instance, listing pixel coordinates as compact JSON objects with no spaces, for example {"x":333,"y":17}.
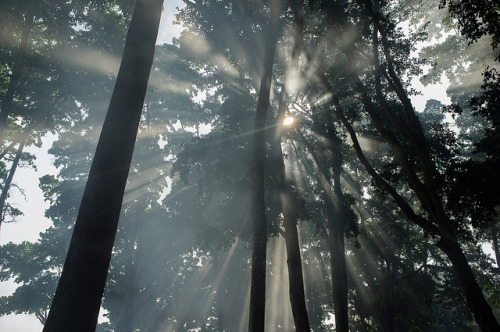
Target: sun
{"x":288,"y":121}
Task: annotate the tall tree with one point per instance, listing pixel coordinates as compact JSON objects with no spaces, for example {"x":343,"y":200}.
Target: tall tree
{"x":287,"y":200}
{"x":408,"y":126}
{"x":78,"y":296}
{"x":259,"y":221}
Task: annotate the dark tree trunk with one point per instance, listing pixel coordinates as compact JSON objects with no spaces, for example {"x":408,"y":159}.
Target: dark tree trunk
{"x":294,"y":260}
{"x":7,"y":149}
{"x":286,"y":200}
{"x":427,"y":191}
{"x":79,"y":293}
{"x":338,"y":265}
{"x":335,"y":225}
{"x":8,"y":181}
{"x":475,"y":299}
{"x":259,"y":221}
{"x":387,"y":298}
{"x":335,"y":214}
{"x":494,"y":235}
{"x":339,"y":270}
{"x":17,"y":72}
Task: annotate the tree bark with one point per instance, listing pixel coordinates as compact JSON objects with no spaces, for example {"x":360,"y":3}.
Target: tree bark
{"x":335,"y":214}
{"x":286,"y":198}
{"x":77,"y":301}
{"x":294,"y":260}
{"x":8,"y":181}
{"x":17,"y":72}
{"x":7,"y":149}
{"x":259,"y":220}
{"x":475,"y":299}
{"x":336,"y":225}
{"x":494,"y":235}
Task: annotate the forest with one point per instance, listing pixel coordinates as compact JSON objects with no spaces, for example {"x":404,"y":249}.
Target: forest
{"x":268,"y":169}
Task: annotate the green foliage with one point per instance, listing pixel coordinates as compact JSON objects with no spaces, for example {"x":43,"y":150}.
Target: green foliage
{"x":476,"y":18}
{"x":475,"y":196}
{"x":181,"y":258}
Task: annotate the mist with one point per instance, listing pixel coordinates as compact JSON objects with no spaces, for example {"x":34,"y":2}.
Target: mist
{"x":379,"y":200}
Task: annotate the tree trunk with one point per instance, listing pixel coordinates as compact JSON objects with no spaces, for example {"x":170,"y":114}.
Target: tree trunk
{"x":494,"y":235}
{"x":294,"y":260}
{"x":7,"y":149}
{"x":259,"y":221}
{"x":335,"y":226}
{"x":17,"y":72}
{"x":287,"y":202}
{"x":335,"y":215}
{"x":475,"y":299}
{"x":8,"y":181}
{"x":77,"y":301}
{"x":338,"y":265}
{"x":387,"y":284}
{"x":340,"y":268}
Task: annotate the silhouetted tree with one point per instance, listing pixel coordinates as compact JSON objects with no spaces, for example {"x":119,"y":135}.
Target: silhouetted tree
{"x":78,"y":296}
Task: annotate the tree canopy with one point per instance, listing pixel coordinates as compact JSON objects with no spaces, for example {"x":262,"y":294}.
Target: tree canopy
{"x":282,"y":178}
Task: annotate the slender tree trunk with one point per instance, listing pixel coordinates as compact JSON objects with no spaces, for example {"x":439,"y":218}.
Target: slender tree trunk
{"x":428,"y":195}
{"x":17,"y":72}
{"x":259,"y":221}
{"x":335,"y":216}
{"x":7,"y":149}
{"x":428,"y":192}
{"x":294,"y":260}
{"x":386,"y":286}
{"x":335,"y":213}
{"x":8,"y":181}
{"x":335,"y":228}
{"x":340,"y":268}
{"x":295,"y":275}
{"x":77,"y":301}
{"x":494,"y":235}
{"x":475,"y":299}
{"x":284,"y":191}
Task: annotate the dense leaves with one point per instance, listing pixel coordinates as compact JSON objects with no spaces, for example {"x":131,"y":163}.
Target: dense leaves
{"x":362,"y":167}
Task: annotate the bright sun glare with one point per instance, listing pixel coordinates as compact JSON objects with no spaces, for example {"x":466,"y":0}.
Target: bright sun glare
{"x":288,"y":121}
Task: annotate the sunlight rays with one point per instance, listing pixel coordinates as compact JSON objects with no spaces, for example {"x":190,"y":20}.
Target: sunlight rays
{"x":91,"y":59}
{"x":278,"y":301}
{"x":199,"y":45}
{"x":223,"y":286}
{"x":219,"y":272}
